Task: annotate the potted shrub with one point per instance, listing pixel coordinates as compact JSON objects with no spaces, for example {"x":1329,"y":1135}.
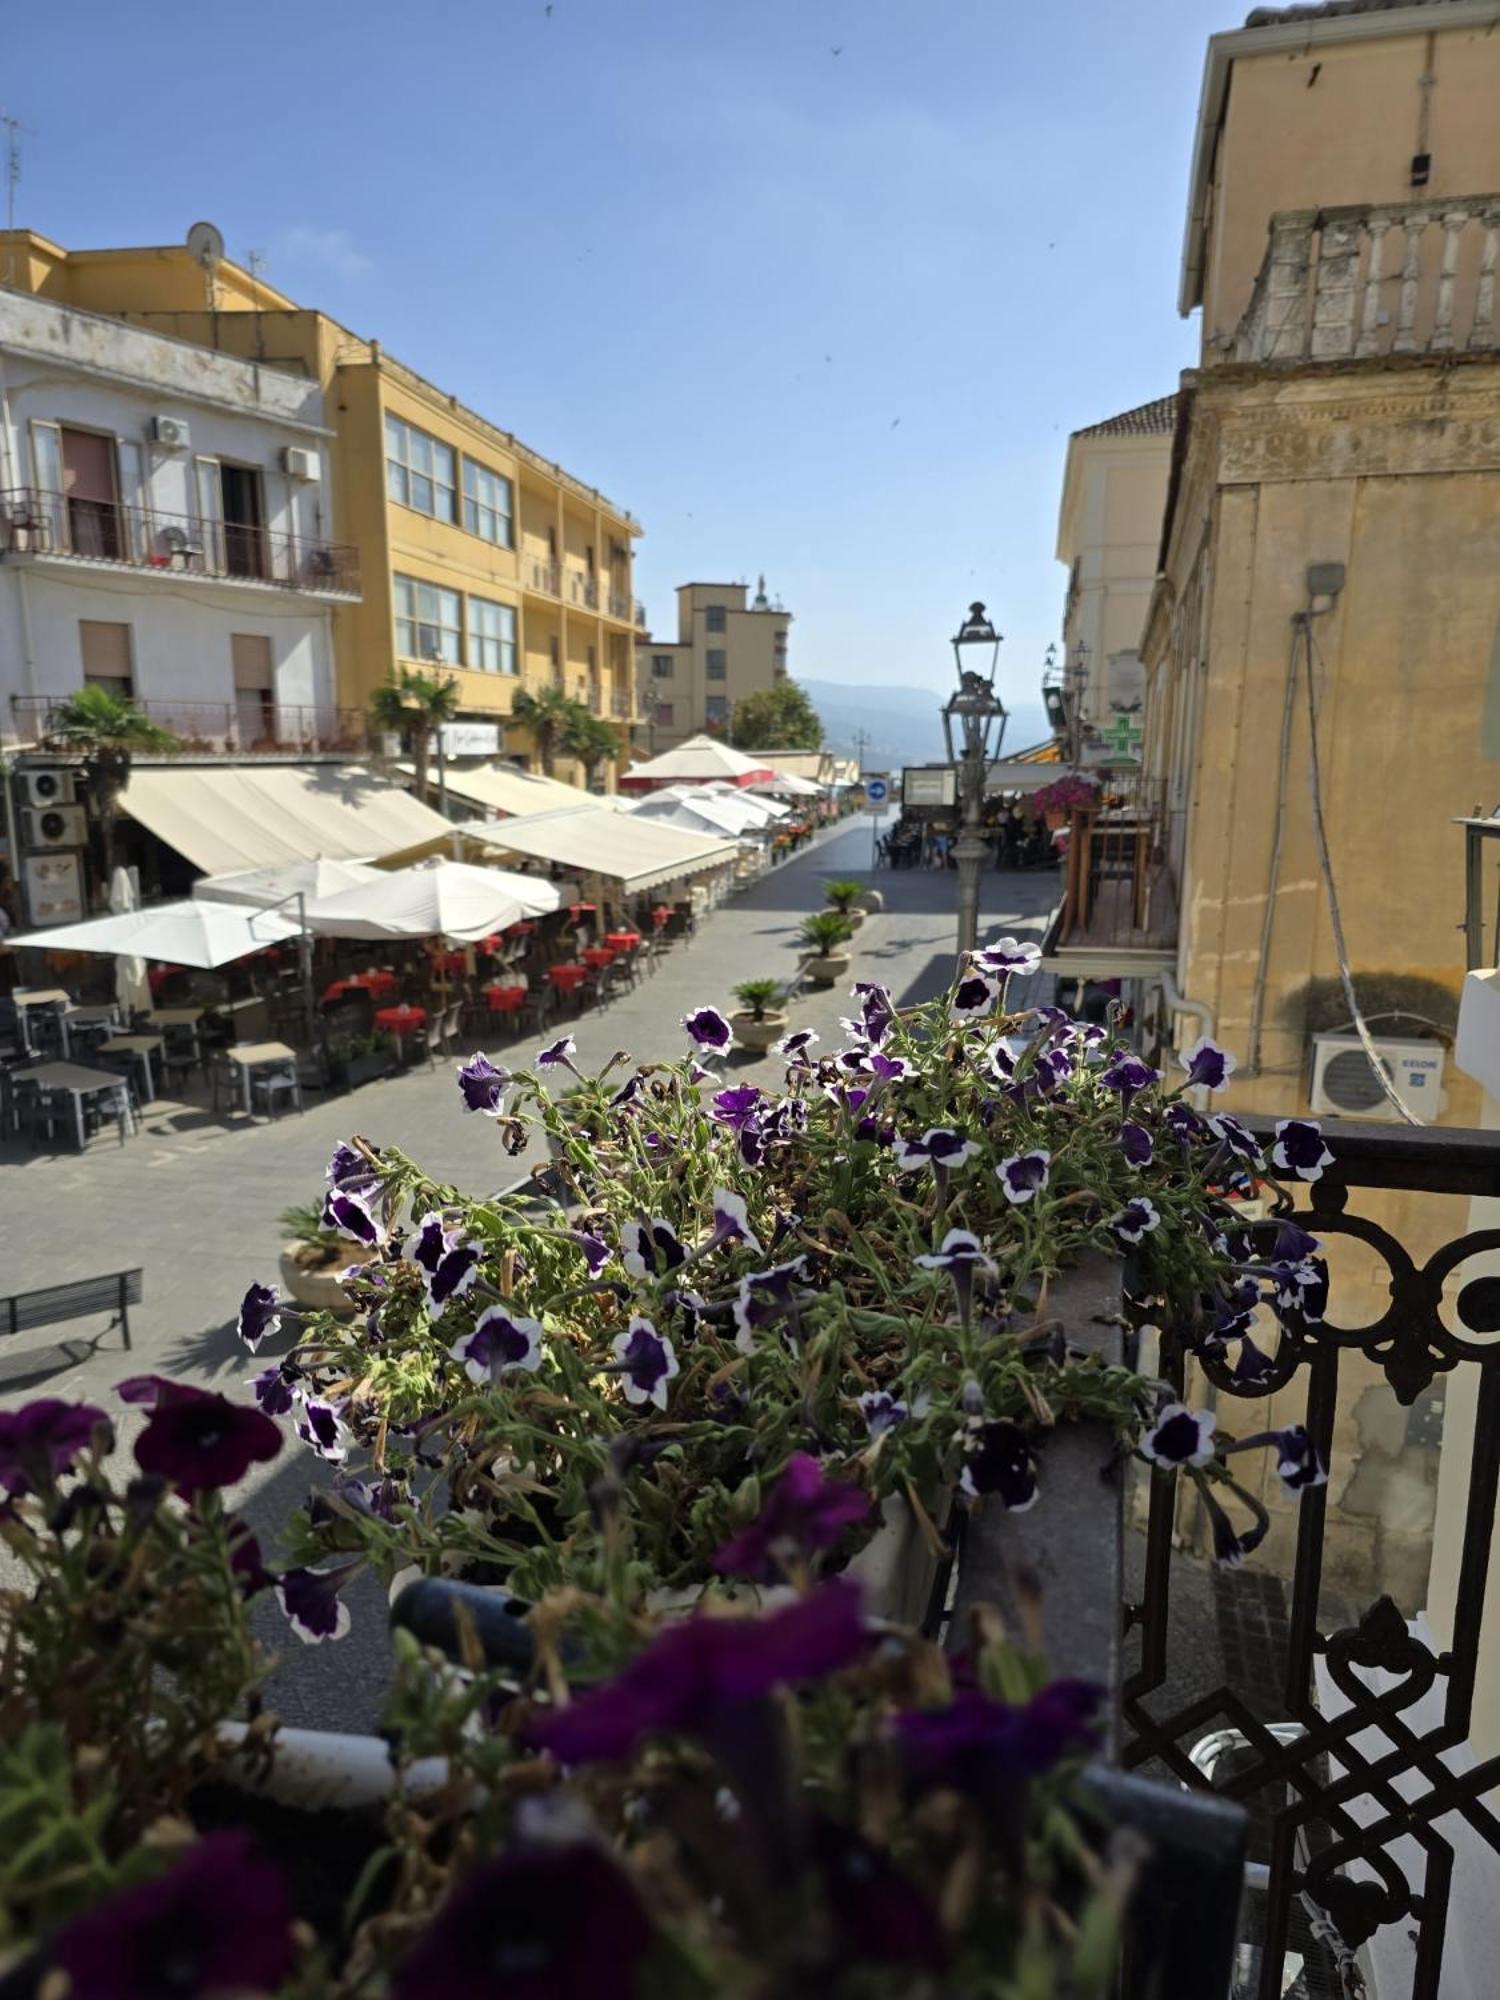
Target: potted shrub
{"x":848,"y":899}
{"x":759,"y":1020}
{"x":825,"y":931}
{"x":314,"y":1260}
{"x":369,"y":1057}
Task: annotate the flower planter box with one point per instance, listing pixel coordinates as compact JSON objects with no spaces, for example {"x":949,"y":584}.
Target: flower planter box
{"x":368,"y":1069}
{"x":826,"y":968}
{"x":319,"y":1287}
{"x":758,"y":1034}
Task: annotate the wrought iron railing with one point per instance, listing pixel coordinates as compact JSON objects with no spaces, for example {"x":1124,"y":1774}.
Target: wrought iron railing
{"x":619,"y":705}
{"x":34,"y":522}
{"x":543,"y":576}
{"x":619,"y":605}
{"x":252,"y":726}
{"x":640,"y":615}
{"x":1115,"y":889}
{"x":583,"y":590}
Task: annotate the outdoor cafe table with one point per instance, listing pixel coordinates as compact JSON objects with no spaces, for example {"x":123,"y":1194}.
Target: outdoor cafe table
{"x":248,"y":1056}
{"x":143,"y":1048}
{"x":78,"y":1081}
{"x":93,"y":1017}
{"x":454,"y":963}
{"x":379,"y":985}
{"x":567,"y":978}
{"x":505,"y":999}
{"x":52,"y":997}
{"x":622,"y":940}
{"x":401,"y":1022}
{"x":598,"y":956}
{"x":176,"y":1017}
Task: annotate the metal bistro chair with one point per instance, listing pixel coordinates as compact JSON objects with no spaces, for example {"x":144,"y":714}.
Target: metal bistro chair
{"x":39,"y":1114}
{"x":269,"y":1084}
{"x":181,"y":1052}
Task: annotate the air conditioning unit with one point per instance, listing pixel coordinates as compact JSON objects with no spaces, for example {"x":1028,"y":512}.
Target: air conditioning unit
{"x":1344,"y":1084}
{"x":54,"y":826}
{"x":297,"y":462}
{"x":171,"y":433}
{"x":47,"y":788}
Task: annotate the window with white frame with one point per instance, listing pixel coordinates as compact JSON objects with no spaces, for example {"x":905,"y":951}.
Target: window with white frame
{"x":488,"y":508}
{"x":428,"y":622}
{"x":492,"y":637}
{"x":420,"y":471}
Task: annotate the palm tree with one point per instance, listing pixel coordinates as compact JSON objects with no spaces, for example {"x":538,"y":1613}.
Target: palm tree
{"x":593,"y":742}
{"x":552,"y":718}
{"x":416,"y":705}
{"x":107,"y":730}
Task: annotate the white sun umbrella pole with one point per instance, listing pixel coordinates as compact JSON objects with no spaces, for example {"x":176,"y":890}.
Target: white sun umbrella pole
{"x":132,"y":988}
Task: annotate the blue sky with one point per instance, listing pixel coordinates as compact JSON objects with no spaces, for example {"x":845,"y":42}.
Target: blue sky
{"x":827,"y":315}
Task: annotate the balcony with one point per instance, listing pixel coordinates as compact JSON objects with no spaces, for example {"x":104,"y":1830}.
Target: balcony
{"x":543,"y":576}
{"x":619,"y":606}
{"x":40,"y":526}
{"x":250,"y":727}
{"x":582,"y":590}
{"x":1341,"y":284}
{"x":619,"y":705}
{"x":640,"y":616}
{"x":1118,"y":901}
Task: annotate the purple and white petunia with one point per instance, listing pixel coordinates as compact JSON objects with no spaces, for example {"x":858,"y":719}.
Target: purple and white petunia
{"x":321,"y":1427}
{"x":805,"y":1513}
{"x":959,"y":1249}
{"x":1136,"y":1143}
{"x":310,"y":1598}
{"x":795,"y":1046}
{"x":1208,"y":1066}
{"x":349,"y":1169}
{"x":765,"y":1296}
{"x":875,"y":1007}
{"x":1000,"y":1463}
{"x":882,"y":1411}
{"x":974,"y":997}
{"x":650,"y":1249}
{"x":259,"y":1315}
{"x":939,"y":1147}
{"x":1297,"y":1463}
{"x":482,"y":1086}
{"x":648,"y":1361}
{"x":596,"y":1251}
{"x":708,"y":1030}
{"x":1233,"y":1134}
{"x":1126,"y":1073}
{"x":558,"y":1054}
{"x":1023,"y":1174}
{"x":272,"y":1391}
{"x":1136,"y":1220}
{"x":732,"y":1220}
{"x":448,"y":1264}
{"x":737,"y":1106}
{"x":1179,"y":1436}
{"x":1007,"y":955}
{"x":1299,"y":1149}
{"x":348,"y":1211}
{"x":501,"y":1343}
{"x":40,"y":1441}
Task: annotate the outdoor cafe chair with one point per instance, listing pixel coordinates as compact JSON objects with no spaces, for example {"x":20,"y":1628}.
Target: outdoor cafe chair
{"x":267,"y":1085}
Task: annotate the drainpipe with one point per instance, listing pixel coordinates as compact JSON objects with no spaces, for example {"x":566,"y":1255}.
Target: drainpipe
{"x":1201,"y":1012}
{"x":28,"y":651}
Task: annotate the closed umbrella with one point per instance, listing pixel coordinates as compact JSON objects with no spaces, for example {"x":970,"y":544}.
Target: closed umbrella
{"x":448,"y":899}
{"x":195,"y":933}
{"x":131,"y":987}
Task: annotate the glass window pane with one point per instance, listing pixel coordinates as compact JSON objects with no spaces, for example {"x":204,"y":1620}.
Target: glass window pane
{"x":396,"y":482}
{"x":419,"y":451}
{"x":395,"y":437}
{"x":443,"y":462}
{"x":421,"y":493}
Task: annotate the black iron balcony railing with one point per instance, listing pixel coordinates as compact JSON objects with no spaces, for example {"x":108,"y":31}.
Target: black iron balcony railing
{"x":253,"y":726}
{"x":620,"y":705}
{"x":544,"y":575}
{"x":583,"y":590}
{"x":640,"y":615}
{"x":34,"y":522}
{"x":619,"y":605}
{"x":1116,"y":890}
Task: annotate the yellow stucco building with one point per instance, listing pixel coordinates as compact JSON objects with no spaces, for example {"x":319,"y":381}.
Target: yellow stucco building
{"x":480,"y":558}
{"x":728,"y":645}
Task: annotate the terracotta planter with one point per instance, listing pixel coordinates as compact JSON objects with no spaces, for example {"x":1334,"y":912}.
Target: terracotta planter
{"x":827,"y":968}
{"x":319,"y":1288}
{"x":755,"y":1034}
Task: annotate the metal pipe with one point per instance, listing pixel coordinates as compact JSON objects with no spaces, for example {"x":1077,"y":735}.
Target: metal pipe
{"x":1201,"y":1012}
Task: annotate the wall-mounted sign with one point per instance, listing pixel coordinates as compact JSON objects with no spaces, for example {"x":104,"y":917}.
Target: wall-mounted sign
{"x":929,"y":785}
{"x":54,"y":889}
{"x":471,"y":739}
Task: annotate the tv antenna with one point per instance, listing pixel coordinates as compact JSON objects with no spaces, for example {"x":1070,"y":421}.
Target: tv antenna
{"x":12,"y":128}
{"x":206,"y":248}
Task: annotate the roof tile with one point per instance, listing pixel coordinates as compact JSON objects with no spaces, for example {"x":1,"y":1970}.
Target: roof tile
{"x":1158,"y":419}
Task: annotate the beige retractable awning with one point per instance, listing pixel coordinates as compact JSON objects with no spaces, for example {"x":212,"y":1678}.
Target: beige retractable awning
{"x":504,"y":789}
{"x":237,"y":816}
{"x":637,"y":853}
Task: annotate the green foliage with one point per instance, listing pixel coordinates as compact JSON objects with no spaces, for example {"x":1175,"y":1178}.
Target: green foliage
{"x":826,"y":930}
{"x":590,"y":739}
{"x":1394,"y":1003}
{"x":776,"y":718}
{"x":95,"y":719}
{"x":843,"y":895}
{"x":414,"y":701}
{"x":759,"y":996}
{"x":304,"y":1224}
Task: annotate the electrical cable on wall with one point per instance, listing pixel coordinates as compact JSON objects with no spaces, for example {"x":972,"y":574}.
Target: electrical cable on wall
{"x":1273,"y":877}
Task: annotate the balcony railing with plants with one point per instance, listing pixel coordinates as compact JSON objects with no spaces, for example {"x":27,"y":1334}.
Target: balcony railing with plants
{"x":1116,"y":889}
{"x":37,"y":523}
{"x":249,"y":727}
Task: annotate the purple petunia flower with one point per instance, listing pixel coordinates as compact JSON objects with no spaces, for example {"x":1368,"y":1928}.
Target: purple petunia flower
{"x":39,"y":1442}
{"x":1000,"y":1463}
{"x":650,"y":1249}
{"x":218,"y":1922}
{"x":939,"y":1147}
{"x":196,"y":1439}
{"x":796,"y":1045}
{"x":959,"y":1249}
{"x":448,"y":1264}
{"x":1302,"y":1288}
{"x":1234,"y":1135}
{"x":596,"y":1251}
{"x":1208,"y":1066}
{"x":987,"y":1747}
{"x":1007,"y":955}
{"x":1299,"y":1149}
{"x":321,"y":1427}
{"x":312,"y":1604}
{"x":1136,"y":1143}
{"x":750,"y":1141}
{"x":348,"y":1168}
{"x":500,"y":1343}
{"x":698,"y":1668}
{"x":1023,"y":1174}
{"x":558,"y":1054}
{"x":245,"y":1563}
{"x":881,"y":1916}
{"x":804,"y":1514}
{"x":1297,"y":1463}
{"x":708,"y":1029}
{"x":887,"y":1069}
{"x":974,"y":997}
{"x":483,"y":1085}
{"x":1179,"y":1436}
{"x":348,"y":1211}
{"x":882,"y":1411}
{"x":1136,"y":1220}
{"x":765,"y":1296}
{"x":558,"y":1921}
{"x":879,"y":1016}
{"x":632,"y":1088}
{"x":273,"y":1391}
{"x":732,"y":1220}
{"x":1252,"y":1365}
{"x":736,"y":1106}
{"x":1126,"y":1073}
{"x":258,"y":1315}
{"x":648,"y":1361}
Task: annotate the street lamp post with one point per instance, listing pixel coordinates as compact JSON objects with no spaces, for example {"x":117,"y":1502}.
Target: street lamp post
{"x":976,"y":708}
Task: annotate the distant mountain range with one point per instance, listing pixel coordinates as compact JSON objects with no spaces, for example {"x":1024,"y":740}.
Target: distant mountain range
{"x":903,"y":724}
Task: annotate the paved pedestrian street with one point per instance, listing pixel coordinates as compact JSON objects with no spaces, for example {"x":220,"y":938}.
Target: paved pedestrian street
{"x":196,"y":1204}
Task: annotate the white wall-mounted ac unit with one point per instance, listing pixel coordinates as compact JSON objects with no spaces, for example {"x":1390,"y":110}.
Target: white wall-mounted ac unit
{"x":297,"y":462}
{"x":54,"y":826}
{"x":171,"y":433}
{"x":1344,"y":1085}
{"x":47,"y":788}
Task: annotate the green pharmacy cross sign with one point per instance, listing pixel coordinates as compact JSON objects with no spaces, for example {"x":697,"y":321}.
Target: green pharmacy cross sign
{"x":1123,"y":738}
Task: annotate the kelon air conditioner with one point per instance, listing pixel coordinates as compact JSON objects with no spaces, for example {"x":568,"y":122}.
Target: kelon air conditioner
{"x":297,"y":462}
{"x":1344,"y":1085}
{"x":54,"y":826}
{"x":171,"y":433}
{"x":47,"y":788}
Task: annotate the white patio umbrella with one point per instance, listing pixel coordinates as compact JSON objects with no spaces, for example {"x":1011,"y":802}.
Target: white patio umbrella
{"x":435,"y":898}
{"x":187,"y":933}
{"x":132,"y":989}
{"x":267,"y":887}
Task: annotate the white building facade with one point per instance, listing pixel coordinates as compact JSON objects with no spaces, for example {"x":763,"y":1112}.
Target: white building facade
{"x":164,"y":532}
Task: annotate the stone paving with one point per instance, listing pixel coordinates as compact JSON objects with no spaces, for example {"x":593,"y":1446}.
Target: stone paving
{"x":195,"y":1203}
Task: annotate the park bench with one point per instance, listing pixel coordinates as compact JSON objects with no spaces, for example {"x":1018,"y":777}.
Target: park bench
{"x":83,"y":1298}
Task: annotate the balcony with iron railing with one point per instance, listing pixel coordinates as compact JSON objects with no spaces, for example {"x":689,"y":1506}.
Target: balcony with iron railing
{"x":1376,"y":279}
{"x":582,"y":590}
{"x":619,"y":605}
{"x":42,"y":526}
{"x":640,"y":616}
{"x":543,"y":575}
{"x":1117,"y":892}
{"x":254,"y":725}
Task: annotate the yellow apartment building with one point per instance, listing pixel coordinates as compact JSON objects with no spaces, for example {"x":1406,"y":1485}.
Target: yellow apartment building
{"x":726,"y":648}
{"x":480,"y":558}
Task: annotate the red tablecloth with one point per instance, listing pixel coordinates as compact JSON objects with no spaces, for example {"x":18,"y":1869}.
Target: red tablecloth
{"x":505,"y":999}
{"x":526,"y":929}
{"x":598,"y":955}
{"x":451,"y":962}
{"x":577,"y":910}
{"x":566,"y":977}
{"x":401,"y":1020}
{"x":661,"y":916}
{"x":622,"y":940}
{"x":379,"y":985}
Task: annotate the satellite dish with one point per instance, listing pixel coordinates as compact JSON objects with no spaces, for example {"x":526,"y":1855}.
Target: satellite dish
{"x":206,"y":245}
